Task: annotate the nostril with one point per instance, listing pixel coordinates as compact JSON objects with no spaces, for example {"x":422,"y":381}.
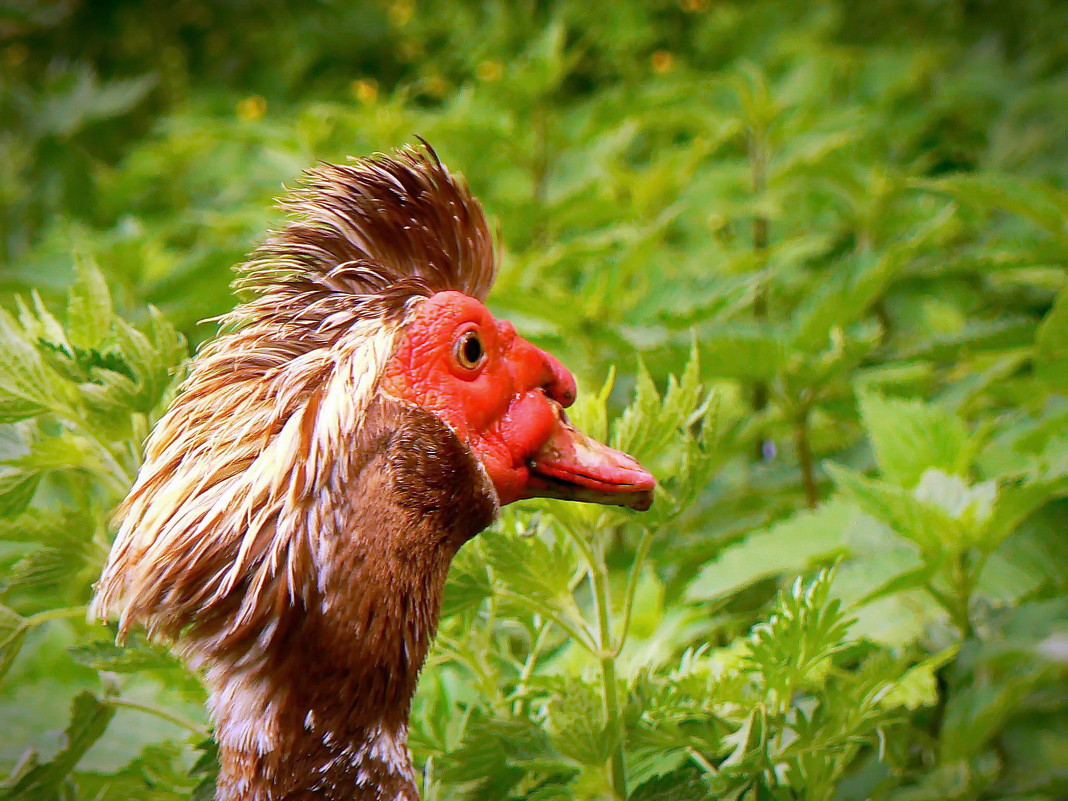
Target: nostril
{"x":561,"y":389}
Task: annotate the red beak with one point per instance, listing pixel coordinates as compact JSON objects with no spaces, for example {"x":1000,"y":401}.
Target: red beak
{"x":576,"y":467}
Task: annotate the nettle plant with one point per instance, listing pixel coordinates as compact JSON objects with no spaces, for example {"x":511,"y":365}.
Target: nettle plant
{"x":851,"y":369}
{"x":562,"y":670}
{"x":548,"y":680}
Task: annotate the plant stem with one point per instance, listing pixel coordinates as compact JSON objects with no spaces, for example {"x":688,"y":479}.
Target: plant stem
{"x":540,"y":169}
{"x":804,"y":458}
{"x":632,"y":586}
{"x":40,"y":618}
{"x":55,"y":614}
{"x":599,"y":580}
{"x":964,"y":584}
{"x":758,"y":164}
{"x":956,"y":607}
{"x":528,"y":667}
{"x":163,"y":714}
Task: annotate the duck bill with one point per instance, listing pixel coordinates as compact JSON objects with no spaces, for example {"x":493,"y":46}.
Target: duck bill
{"x":576,"y":467}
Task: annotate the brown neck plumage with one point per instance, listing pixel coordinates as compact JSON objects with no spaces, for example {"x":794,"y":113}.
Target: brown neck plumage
{"x":291,"y":527}
{"x":322,"y":711}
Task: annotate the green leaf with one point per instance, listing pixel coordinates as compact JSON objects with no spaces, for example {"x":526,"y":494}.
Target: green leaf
{"x":649,"y":425}
{"x":1051,"y":343}
{"x":469,"y":584}
{"x":844,"y":296}
{"x":23,"y":377}
{"x":575,"y":721}
{"x":13,"y":409}
{"x":792,"y":650}
{"x":993,"y":335}
{"x":1036,"y":201}
{"x":17,"y":488}
{"x":918,"y":686}
{"x":1017,"y":502}
{"x":749,"y":738}
{"x":909,"y":437}
{"x":88,"y":720}
{"x":791,"y":546}
{"x":89,"y":313}
{"x":743,"y":351}
{"x":207,"y":768}
{"x":495,"y":751}
{"x":974,"y":714}
{"x":971,"y":506}
{"x":128,"y":658}
{"x":686,"y":784}
{"x":529,"y":567}
{"x":927,"y":525}
{"x":13,"y":631}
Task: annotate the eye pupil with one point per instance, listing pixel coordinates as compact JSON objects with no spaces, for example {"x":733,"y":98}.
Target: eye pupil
{"x":470,"y":350}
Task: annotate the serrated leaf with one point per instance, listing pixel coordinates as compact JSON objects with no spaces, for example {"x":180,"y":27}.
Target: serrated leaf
{"x":748,"y":738}
{"x":650,"y":424}
{"x":528,"y":567}
{"x":63,"y":452}
{"x":13,"y":409}
{"x":685,"y":784}
{"x":590,"y":411}
{"x":207,"y":768}
{"x":575,"y":720}
{"x":493,"y":750}
{"x":742,"y":351}
{"x":39,"y":324}
{"x":17,"y":488}
{"x":128,"y":658}
{"x":918,"y":686}
{"x":1037,"y":201}
{"x":629,"y":430}
{"x":994,"y":335}
{"x":790,"y":546}
{"x":12,"y":635}
{"x":153,"y":357}
{"x":909,"y":437}
{"x":43,"y":526}
{"x":1051,"y":344}
{"x":930,"y":527}
{"x":975,"y":713}
{"x":88,"y":720}
{"x":1016,"y":502}
{"x":51,"y":569}
{"x":22,"y":375}
{"x":468,"y":584}
{"x":89,"y":312}
{"x":970,"y":505}
{"x":839,"y":299}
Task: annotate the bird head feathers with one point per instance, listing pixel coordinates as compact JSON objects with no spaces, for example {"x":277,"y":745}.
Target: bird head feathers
{"x":220,"y":529}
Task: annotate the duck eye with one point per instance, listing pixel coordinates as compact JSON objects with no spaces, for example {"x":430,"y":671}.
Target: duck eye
{"x":469,"y":351}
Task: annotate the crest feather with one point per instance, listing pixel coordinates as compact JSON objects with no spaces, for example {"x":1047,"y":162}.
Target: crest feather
{"x":226,"y":521}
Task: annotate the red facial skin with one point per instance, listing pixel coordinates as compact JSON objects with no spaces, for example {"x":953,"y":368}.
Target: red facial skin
{"x":507,"y":408}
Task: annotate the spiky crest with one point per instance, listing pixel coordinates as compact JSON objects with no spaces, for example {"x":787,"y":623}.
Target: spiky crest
{"x":224,"y":524}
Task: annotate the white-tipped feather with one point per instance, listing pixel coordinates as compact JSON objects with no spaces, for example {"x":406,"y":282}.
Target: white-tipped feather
{"x":188,"y":514}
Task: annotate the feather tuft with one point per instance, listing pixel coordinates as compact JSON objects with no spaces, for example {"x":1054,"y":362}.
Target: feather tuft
{"x":231,"y":512}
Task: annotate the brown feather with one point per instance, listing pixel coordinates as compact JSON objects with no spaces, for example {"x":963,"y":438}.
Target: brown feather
{"x":255,"y":535}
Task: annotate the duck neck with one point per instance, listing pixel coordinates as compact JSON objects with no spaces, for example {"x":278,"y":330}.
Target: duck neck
{"x":329,"y":720}
{"x":325,"y":716}
{"x":322,"y":711}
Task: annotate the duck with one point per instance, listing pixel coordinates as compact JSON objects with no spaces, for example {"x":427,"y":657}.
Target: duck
{"x":359,"y":416}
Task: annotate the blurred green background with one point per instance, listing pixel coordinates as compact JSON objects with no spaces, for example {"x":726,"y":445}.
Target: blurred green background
{"x":841,"y":226}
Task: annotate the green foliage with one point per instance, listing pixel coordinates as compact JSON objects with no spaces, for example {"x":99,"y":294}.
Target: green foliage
{"x":809,"y":265}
